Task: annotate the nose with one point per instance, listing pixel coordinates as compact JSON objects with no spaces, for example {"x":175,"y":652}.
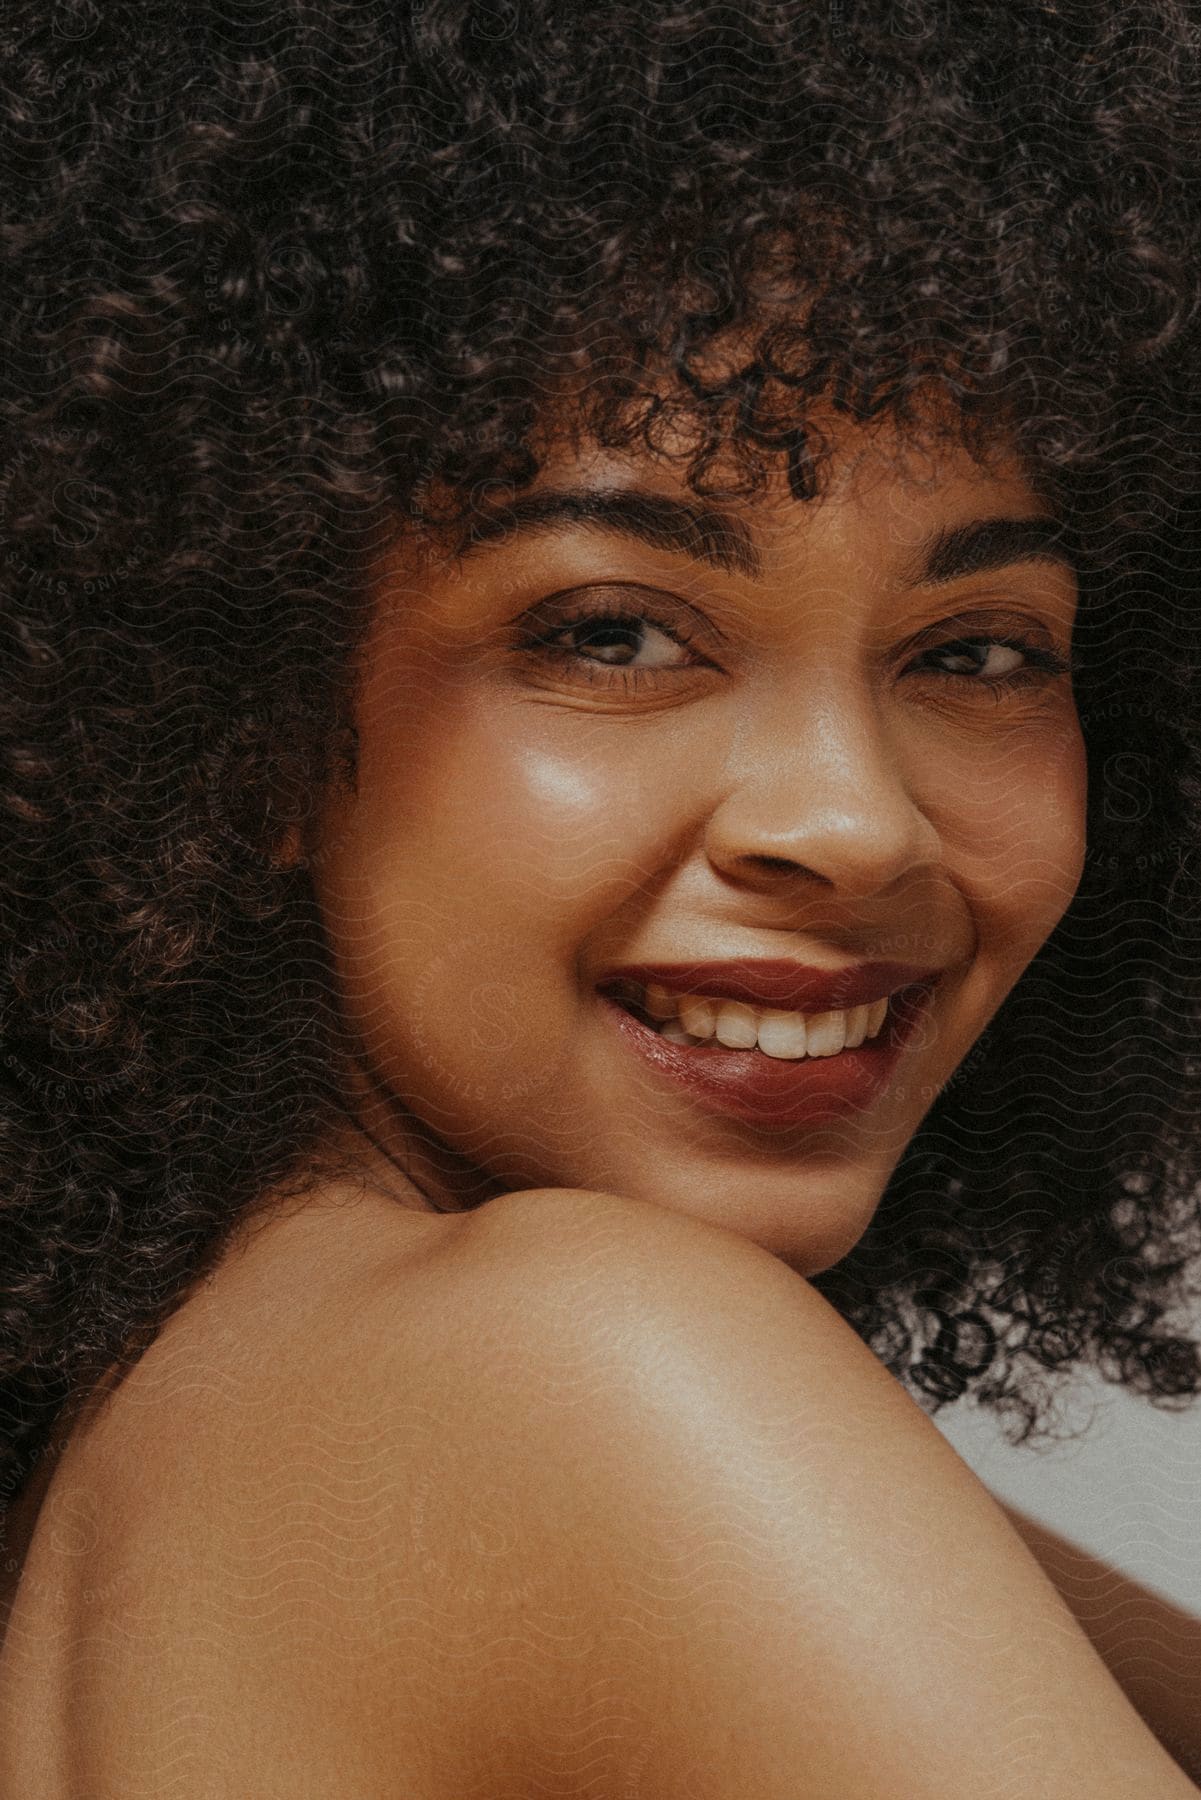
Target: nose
{"x":814,"y":786}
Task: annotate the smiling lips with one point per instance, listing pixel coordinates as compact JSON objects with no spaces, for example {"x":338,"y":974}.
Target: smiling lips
{"x":712,"y":1029}
{"x":784,"y":1009}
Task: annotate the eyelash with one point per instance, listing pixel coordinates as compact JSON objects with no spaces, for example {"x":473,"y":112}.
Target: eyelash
{"x":1041,"y":662}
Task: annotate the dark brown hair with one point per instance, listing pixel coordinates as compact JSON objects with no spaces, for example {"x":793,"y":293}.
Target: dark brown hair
{"x":268,"y":287}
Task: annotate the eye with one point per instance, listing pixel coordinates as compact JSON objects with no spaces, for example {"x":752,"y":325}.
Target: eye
{"x":621,"y":640}
{"x":604,"y":639}
{"x":994,"y":662}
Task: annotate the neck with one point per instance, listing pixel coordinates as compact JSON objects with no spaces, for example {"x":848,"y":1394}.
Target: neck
{"x":402,"y":1153}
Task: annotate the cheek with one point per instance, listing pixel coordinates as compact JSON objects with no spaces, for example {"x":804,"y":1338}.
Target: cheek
{"x":490,"y":840}
{"x":536,"y":803}
{"x":1018,"y":832}
{"x":489,"y":829}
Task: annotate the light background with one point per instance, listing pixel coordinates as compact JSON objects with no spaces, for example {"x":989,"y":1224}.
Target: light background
{"x":1128,"y":1488}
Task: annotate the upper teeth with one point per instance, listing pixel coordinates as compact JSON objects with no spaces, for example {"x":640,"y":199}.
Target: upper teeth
{"x":691,"y":1018}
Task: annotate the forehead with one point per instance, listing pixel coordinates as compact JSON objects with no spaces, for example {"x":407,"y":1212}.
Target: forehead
{"x":883,"y":499}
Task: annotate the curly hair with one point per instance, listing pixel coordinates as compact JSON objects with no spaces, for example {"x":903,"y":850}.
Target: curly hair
{"x":274,"y":282}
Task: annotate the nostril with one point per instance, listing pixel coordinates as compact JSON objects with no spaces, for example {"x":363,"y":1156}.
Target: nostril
{"x":777,"y":865}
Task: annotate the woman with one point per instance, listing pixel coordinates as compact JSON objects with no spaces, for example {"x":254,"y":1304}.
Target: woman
{"x":598,"y":778}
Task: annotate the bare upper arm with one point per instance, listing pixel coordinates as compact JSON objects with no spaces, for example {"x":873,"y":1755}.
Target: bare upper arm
{"x":1150,"y":1646}
{"x":701,"y":1543}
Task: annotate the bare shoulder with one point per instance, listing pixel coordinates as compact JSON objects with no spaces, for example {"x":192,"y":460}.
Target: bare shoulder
{"x":627,"y":1266}
{"x":679,"y":1519}
{"x":588,"y":1302}
{"x":572,"y":1495}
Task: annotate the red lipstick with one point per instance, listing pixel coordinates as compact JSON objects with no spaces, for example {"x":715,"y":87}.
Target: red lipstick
{"x":776,"y":1093}
{"x":788,"y":986}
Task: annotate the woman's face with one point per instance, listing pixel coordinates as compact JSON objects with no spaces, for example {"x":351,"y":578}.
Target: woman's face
{"x":627,"y":727}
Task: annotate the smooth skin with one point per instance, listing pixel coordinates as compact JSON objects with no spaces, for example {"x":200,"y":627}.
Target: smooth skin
{"x":576,"y":1495}
{"x":820,"y":772}
{"x":587,"y":1492}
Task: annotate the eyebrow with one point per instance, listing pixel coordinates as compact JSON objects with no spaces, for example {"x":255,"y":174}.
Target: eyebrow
{"x":991,"y":544}
{"x":710,"y":536}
